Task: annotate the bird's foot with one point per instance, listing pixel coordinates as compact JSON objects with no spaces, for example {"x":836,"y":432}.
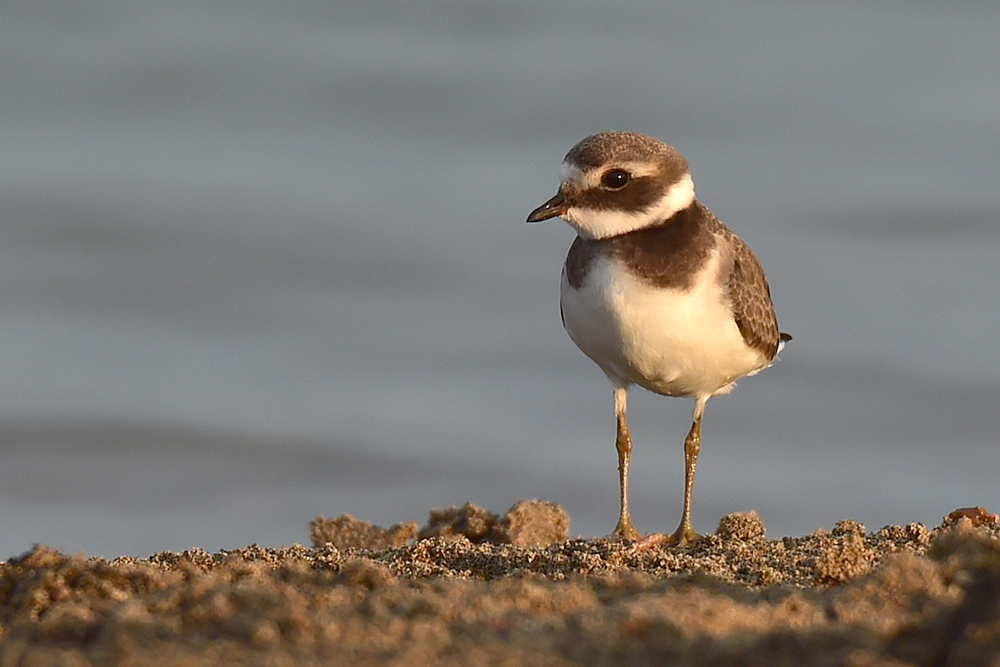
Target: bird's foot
{"x":684,"y":536}
{"x":626,"y":530}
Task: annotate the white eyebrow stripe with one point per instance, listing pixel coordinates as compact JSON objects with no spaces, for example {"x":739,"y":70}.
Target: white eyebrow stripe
{"x":638,"y":168}
{"x":592,"y":178}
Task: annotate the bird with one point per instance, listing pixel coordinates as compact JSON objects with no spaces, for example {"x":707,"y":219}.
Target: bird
{"x":656,"y":290}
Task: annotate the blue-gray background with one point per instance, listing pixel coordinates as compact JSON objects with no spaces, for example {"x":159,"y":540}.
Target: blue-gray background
{"x":264,"y":261}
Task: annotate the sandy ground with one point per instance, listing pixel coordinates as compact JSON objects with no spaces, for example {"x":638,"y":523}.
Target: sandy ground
{"x":474,"y":588}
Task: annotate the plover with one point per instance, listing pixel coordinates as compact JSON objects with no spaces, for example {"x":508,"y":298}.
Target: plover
{"x":655,"y":289}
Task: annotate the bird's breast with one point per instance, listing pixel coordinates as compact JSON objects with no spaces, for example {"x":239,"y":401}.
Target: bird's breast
{"x":677,"y":341}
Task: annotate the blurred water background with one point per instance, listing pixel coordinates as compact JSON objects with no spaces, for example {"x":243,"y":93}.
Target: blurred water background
{"x":262,"y":261}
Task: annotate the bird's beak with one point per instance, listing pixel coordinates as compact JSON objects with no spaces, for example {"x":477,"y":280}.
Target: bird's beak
{"x":550,"y":209}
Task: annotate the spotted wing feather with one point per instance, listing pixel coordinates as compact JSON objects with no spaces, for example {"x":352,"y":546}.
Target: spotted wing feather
{"x":751,"y":299}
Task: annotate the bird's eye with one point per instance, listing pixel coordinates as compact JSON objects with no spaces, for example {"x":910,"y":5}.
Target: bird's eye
{"x":615,"y":179}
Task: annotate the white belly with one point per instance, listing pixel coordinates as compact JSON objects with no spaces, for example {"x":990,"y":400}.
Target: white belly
{"x":673,"y":342}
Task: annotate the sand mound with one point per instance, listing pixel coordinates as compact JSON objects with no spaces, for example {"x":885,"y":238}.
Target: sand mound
{"x":479,"y":589}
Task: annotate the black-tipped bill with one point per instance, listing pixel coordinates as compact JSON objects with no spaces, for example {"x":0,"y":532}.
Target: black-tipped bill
{"x":550,"y":209}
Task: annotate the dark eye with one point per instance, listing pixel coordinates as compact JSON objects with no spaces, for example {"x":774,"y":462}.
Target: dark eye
{"x":615,"y":179}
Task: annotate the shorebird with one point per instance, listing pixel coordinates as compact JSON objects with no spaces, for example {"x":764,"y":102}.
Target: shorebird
{"x":656,"y":290}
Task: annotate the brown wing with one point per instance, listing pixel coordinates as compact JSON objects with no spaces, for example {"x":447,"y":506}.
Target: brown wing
{"x":751,"y":298}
